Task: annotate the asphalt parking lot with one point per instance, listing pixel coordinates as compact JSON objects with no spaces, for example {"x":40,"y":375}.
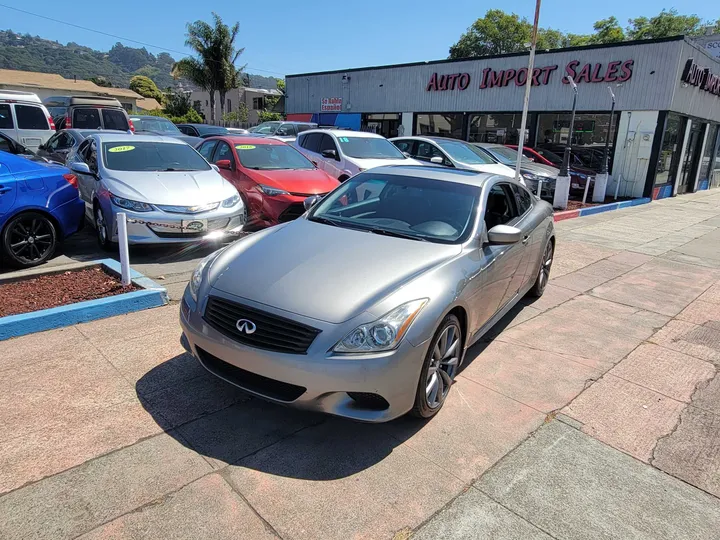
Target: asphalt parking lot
{"x":591,"y":412}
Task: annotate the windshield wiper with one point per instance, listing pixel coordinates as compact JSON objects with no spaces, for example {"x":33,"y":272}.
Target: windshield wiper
{"x":170,"y":169}
{"x":385,"y":232}
{"x":326,"y":221}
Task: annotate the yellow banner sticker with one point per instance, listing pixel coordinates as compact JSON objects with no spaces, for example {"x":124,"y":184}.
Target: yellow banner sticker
{"x":121,"y":149}
{"x":245,"y":146}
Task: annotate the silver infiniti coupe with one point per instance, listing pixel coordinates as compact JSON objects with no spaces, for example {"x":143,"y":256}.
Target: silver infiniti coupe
{"x":365,"y":306}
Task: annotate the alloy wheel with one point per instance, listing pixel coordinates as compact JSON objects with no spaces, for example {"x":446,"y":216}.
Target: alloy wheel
{"x":443,"y":366}
{"x":100,"y":227}
{"x":30,"y":239}
{"x":547,"y":261}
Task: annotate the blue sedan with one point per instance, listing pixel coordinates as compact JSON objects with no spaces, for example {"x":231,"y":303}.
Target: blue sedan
{"x":39,"y":207}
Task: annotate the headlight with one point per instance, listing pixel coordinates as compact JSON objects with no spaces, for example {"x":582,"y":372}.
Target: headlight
{"x":383,"y":334}
{"x":530,"y":176}
{"x":135,"y":206}
{"x":231,"y":201}
{"x":267,"y":190}
{"x":197,"y":275}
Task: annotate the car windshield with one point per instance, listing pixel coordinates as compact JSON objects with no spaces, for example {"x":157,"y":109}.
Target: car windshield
{"x":505,"y":155}
{"x":132,"y":155}
{"x":271,"y":157}
{"x":550,"y":156}
{"x":369,"y":148}
{"x":403,"y":206}
{"x":214,"y":130}
{"x":157,"y":125}
{"x":266,"y":128}
{"x":465,"y":153}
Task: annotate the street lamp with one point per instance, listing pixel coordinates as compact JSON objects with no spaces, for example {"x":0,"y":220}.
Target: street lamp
{"x":562,"y":184}
{"x":602,"y":178}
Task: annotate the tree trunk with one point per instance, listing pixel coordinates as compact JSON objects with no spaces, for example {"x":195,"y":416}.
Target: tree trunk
{"x":222,"y":108}
{"x":212,"y":106}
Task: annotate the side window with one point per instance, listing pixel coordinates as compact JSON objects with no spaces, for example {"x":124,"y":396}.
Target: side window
{"x":500,"y":207}
{"x":86,"y":119}
{"x":286,"y":130}
{"x":427,"y":151}
{"x":29,"y":117}
{"x":303,"y":127}
{"x":83,"y":149}
{"x":5,"y":146}
{"x":115,"y":119}
{"x":6,"y":119}
{"x":523,"y":199}
{"x":404,"y":146}
{"x":301,"y":141}
{"x":90,"y":156}
{"x":53,"y":142}
{"x":224,"y":152}
{"x":327,"y":143}
{"x":206,"y":149}
{"x":312,"y":141}
{"x":66,"y":142}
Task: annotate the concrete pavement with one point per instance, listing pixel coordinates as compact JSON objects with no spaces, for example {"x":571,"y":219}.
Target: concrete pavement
{"x":590,"y":413}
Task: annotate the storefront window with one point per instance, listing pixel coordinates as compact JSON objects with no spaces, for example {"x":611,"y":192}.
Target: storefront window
{"x":669,"y":150}
{"x":498,"y":128}
{"x":589,"y":134}
{"x":708,"y":162}
{"x":385,"y":124}
{"x":442,"y":125}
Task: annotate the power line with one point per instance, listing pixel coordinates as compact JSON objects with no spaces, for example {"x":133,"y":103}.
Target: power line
{"x":117,"y":37}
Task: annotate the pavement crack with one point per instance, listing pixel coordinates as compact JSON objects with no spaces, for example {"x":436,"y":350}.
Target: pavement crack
{"x":223,"y":473}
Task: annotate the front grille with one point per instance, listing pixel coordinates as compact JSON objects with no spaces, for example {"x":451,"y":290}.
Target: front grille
{"x":272,"y":333}
{"x":250,"y":381}
{"x":292,"y":212}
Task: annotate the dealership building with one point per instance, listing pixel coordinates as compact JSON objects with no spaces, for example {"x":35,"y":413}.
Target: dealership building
{"x":664,"y":137}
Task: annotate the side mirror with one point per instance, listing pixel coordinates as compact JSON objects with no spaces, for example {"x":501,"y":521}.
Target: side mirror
{"x":329,"y":154}
{"x":311,"y":201}
{"x":41,"y":147}
{"x":504,"y":234}
{"x":81,"y":168}
{"x":215,"y":167}
{"x":437,"y":160}
{"x":224,"y":164}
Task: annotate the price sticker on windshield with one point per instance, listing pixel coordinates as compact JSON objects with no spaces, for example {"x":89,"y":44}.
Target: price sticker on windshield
{"x":245,"y":147}
{"x":121,"y":149}
{"x":344,"y":139}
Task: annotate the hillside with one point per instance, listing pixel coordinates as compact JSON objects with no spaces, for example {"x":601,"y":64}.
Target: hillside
{"x":118,"y":65}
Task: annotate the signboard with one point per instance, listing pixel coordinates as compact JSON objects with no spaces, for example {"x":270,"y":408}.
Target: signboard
{"x":713,"y":48}
{"x":701,"y":77}
{"x":331,"y":104}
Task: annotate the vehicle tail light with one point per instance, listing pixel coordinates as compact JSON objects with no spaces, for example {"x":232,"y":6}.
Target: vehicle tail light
{"x":68,"y":122}
{"x":132,"y":128}
{"x":52,"y":124}
{"x":71,"y":179}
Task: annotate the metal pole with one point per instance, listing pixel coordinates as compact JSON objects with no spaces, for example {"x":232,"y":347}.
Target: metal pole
{"x":526,"y":101}
{"x":124,"y":251}
{"x":606,"y":155}
{"x":566,"y":154}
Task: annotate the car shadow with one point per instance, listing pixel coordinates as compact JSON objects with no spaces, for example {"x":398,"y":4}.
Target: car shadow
{"x":230,"y":427}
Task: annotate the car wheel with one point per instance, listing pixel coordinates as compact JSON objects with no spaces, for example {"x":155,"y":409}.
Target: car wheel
{"x":439,"y":369}
{"x":101,"y":230}
{"x":544,"y":271}
{"x":29,"y":239}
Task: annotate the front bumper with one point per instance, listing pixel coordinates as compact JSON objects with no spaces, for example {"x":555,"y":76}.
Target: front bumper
{"x":317,"y":381}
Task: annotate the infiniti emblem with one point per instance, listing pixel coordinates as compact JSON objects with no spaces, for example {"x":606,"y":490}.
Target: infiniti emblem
{"x":243,"y":325}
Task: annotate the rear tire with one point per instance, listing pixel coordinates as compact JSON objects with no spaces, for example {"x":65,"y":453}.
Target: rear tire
{"x":439,"y":369}
{"x":543,"y":275}
{"x":29,"y":239}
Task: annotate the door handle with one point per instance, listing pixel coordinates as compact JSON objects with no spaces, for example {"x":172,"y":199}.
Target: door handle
{"x":525,"y":239}
{"x":4,"y":189}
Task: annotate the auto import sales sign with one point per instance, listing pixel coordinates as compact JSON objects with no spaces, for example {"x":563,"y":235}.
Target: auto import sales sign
{"x":331,"y":104}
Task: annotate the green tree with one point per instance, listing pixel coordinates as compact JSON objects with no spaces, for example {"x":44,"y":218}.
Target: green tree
{"x":664,"y":24}
{"x":177,"y":103}
{"x":101,"y":81}
{"x":146,"y":88}
{"x":240,"y":115}
{"x":495,"y":33}
{"x":607,"y":31}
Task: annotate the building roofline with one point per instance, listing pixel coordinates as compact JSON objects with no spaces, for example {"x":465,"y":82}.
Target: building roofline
{"x":493,"y":56}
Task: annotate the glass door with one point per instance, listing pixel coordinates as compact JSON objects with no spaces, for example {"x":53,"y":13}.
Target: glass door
{"x":689,"y":167}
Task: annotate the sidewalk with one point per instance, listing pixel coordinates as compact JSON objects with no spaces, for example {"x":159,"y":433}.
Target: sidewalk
{"x":593,"y":412}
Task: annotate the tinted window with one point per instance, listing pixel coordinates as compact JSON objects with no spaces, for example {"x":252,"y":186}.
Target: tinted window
{"x":224,"y":152}
{"x":500,"y":207}
{"x":211,"y":130}
{"x":327,"y":143}
{"x":207,"y":149}
{"x":56,"y":112}
{"x":303,"y":127}
{"x":115,"y":119}
{"x":152,"y":156}
{"x":286,"y":130}
{"x":311,"y":141}
{"x":5,"y":146}
{"x":187,"y":130}
{"x":404,"y":146}
{"x":369,"y":148}
{"x":29,"y":117}
{"x":523,"y":199}
{"x":427,"y":151}
{"x":271,"y":156}
{"x":266,"y":128}
{"x":86,"y":119}
{"x":6,"y":121}
{"x":417,"y":208}
{"x":505,"y":155}
{"x":550,"y":156}
{"x":158,"y":125}
{"x":465,"y":153}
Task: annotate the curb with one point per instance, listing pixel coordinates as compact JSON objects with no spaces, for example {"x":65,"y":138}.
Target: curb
{"x":152,"y":295}
{"x":590,"y":210}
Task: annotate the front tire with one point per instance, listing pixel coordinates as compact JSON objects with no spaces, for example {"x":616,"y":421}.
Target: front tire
{"x":101,"y":230}
{"x":543,"y":275}
{"x":29,"y":239}
{"x":439,"y":369}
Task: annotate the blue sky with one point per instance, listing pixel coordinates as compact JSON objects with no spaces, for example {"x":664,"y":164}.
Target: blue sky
{"x":285,"y":37}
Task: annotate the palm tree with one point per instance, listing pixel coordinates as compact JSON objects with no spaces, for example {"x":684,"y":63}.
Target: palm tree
{"x":228,"y":55}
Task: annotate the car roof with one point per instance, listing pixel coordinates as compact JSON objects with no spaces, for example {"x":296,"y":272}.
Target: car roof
{"x":431,"y":138}
{"x":148,"y":116}
{"x":459,"y":176}
{"x":104,"y":136}
{"x":344,"y":133}
{"x":245,"y":139}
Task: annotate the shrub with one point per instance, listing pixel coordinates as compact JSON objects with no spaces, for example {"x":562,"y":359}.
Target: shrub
{"x":191,"y":117}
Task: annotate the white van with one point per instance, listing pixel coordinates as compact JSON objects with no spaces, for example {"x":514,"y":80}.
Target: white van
{"x":24,"y":118}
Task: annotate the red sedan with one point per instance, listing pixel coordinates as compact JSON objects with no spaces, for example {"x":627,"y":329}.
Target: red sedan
{"x":272,"y":177}
{"x":578,"y":175}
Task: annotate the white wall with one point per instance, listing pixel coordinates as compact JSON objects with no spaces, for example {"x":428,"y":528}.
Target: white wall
{"x":631,"y":159}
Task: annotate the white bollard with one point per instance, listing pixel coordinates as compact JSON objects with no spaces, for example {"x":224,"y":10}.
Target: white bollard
{"x":601,"y":180}
{"x":124,"y":251}
{"x":585,"y":191}
{"x":539,"y":188}
{"x":562,"y":192}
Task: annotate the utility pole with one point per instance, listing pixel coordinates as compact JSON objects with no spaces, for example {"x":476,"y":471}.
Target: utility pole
{"x":562,"y":184}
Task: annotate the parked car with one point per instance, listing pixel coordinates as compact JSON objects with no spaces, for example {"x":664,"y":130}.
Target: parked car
{"x":365,"y":310}
{"x":167,"y":190}
{"x":450,"y":153}
{"x":11,"y":146}
{"x":156,"y":125}
{"x":39,"y":207}
{"x":59,"y":146}
{"x":272,"y":177}
{"x":202,"y":130}
{"x":531,"y":172}
{"x":25,"y":119}
{"x":343,"y":154}
{"x":578,"y":173}
{"x":237,"y":131}
{"x":589,"y":157}
{"x":88,"y":112}
{"x":282,"y":130}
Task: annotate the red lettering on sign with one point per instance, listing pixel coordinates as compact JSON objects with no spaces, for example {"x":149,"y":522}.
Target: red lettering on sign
{"x":495,"y":78}
{"x":570,"y":70}
{"x":610,"y":74}
{"x":464,"y":81}
{"x":432,"y":85}
{"x":584,"y":74}
{"x":596,"y":73}
{"x":521,"y":77}
{"x":626,"y":71}
{"x":508,"y":76}
{"x":546,"y":74}
{"x":483,"y":82}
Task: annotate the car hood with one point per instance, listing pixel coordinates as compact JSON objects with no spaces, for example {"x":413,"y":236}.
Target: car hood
{"x":539,"y":169}
{"x":171,"y":188}
{"x":295,"y":181}
{"x":320,"y":271}
{"x":371,"y":163}
{"x":492,"y":168}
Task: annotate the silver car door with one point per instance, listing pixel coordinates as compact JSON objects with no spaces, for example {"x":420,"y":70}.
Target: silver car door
{"x":528,"y":222}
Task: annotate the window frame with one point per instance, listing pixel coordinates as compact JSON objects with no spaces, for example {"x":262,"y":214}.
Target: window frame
{"x":323,"y":138}
{"x":20,"y":106}
{"x":307,"y":138}
{"x":233,"y":160}
{"x":518,"y":191}
{"x":213,"y":144}
{"x":510,"y":197}
{"x":122,"y":113}
{"x":11,"y":116}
